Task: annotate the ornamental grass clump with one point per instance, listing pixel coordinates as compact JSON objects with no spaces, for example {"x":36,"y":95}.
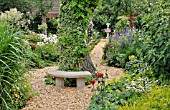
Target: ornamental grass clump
{"x":14,"y":86}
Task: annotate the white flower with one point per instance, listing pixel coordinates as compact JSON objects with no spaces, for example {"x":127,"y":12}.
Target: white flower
{"x":54,"y":36}
{"x":133,"y":83}
{"x":26,"y":42}
{"x":46,"y":39}
{"x":40,"y":43}
{"x":128,"y":87}
{"x":29,"y":21}
{"x":50,"y":40}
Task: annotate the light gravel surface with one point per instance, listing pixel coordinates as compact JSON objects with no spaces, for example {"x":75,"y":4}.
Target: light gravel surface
{"x":69,"y":98}
{"x":96,"y":56}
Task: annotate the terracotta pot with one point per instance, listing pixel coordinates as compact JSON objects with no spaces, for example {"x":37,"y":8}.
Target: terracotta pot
{"x":33,"y":44}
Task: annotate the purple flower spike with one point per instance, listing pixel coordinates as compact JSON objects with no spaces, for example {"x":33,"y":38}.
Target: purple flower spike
{"x":125,"y":31}
{"x":91,"y":23}
{"x":115,"y":36}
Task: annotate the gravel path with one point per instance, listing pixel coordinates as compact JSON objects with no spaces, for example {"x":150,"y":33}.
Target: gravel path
{"x":69,"y":98}
{"x":96,"y":56}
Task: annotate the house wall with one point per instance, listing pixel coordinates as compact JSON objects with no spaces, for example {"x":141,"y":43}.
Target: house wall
{"x":55,"y":11}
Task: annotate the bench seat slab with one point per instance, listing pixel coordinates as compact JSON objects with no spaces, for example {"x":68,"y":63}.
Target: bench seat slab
{"x":80,"y":77}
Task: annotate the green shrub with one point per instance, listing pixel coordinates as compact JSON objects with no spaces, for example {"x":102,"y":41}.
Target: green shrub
{"x":119,"y":92}
{"x":109,"y":11}
{"x":21,"y":5}
{"x":155,"y":43}
{"x":45,"y":53}
{"x":157,"y":99}
{"x":52,"y":24}
{"x":13,"y":62}
{"x":136,"y":67}
{"x":121,"y":46}
{"x":48,"y":52}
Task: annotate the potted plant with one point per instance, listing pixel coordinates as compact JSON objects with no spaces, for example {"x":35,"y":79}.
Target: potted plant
{"x":33,"y":39}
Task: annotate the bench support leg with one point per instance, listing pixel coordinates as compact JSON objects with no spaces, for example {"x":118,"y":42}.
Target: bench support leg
{"x":80,"y":83}
{"x":59,"y":82}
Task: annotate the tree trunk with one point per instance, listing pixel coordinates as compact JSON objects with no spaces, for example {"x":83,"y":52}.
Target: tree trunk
{"x":43,"y":22}
{"x":87,"y":65}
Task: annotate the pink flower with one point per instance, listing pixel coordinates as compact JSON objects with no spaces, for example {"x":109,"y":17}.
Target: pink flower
{"x":91,"y":23}
{"x":131,"y":24}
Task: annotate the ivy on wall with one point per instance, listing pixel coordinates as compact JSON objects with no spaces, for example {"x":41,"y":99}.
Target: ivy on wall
{"x":74,"y":20}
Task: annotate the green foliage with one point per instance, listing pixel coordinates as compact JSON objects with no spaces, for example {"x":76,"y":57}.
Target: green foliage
{"x":13,"y":62}
{"x":21,"y":5}
{"x":150,"y":43}
{"x":155,"y":48}
{"x":33,"y":26}
{"x":120,"y":92}
{"x":99,"y":97}
{"x":52,"y":24}
{"x":135,"y":67}
{"x":11,"y":16}
{"x":33,"y":38}
{"x":87,"y":80}
{"x":121,"y":46}
{"x":74,"y":21}
{"x":44,"y":6}
{"x":111,"y":95}
{"x":158,"y":99}
{"x":121,"y":23}
{"x":109,"y":11}
{"x":45,"y":55}
{"x":49,"y":80}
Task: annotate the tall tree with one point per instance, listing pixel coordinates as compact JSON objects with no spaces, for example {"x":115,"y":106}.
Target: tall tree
{"x":21,"y":5}
{"x":74,"y":21}
{"x":44,"y":6}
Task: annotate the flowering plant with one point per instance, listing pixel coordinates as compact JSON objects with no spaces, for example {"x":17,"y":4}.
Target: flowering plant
{"x":100,"y":79}
{"x":100,"y":75}
{"x":140,"y":85}
{"x":92,"y":82}
{"x":33,"y":37}
{"x":12,"y":15}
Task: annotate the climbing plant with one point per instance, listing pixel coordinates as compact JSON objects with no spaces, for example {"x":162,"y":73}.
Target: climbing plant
{"x":73,"y":22}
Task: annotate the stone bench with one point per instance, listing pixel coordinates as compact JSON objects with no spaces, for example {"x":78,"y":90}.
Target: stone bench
{"x":80,"y":77}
